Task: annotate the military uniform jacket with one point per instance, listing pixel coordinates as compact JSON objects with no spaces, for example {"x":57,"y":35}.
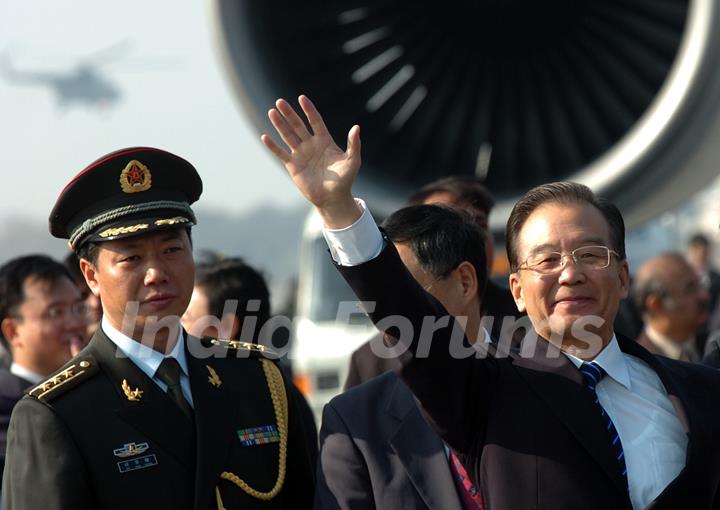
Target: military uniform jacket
{"x":524,"y":426}
{"x":88,"y":445}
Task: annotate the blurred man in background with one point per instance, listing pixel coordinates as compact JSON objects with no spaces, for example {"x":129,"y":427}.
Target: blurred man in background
{"x":231,"y":300}
{"x":466,"y":193}
{"x":469,"y":194}
{"x":228,"y":294}
{"x":699,"y":255}
{"x":42,"y":319}
{"x":674,"y":305}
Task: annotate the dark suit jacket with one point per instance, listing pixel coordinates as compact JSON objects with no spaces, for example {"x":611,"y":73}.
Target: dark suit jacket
{"x":525,"y":427}
{"x":377,"y":451}
{"x":12,"y":388}
{"x":365,"y":365}
{"x":61,"y":451}
{"x":498,"y":303}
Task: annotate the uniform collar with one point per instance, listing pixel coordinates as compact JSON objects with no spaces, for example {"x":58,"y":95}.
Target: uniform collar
{"x":148,"y":360}
{"x":612,"y":360}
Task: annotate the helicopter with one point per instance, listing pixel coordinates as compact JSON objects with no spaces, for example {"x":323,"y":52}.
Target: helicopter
{"x":81,"y":85}
{"x":85,"y":83}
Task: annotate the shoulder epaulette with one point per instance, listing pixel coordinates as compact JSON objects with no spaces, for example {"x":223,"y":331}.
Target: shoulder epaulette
{"x":79,"y":370}
{"x":252,"y":350}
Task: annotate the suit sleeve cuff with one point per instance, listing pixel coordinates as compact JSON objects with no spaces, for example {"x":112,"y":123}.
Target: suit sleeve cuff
{"x":358,"y":243}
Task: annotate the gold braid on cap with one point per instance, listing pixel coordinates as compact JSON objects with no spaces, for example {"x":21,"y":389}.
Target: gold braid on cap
{"x":91,"y":224}
{"x":280,"y":404}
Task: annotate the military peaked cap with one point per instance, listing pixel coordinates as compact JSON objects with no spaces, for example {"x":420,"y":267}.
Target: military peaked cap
{"x":125,"y":193}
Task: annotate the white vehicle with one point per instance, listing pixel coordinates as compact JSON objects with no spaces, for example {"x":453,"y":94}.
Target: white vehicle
{"x":329,"y":325}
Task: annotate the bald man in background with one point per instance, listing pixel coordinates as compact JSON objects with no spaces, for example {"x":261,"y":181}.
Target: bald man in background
{"x":674,"y":305}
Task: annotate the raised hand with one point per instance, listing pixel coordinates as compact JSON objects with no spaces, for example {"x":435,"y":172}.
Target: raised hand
{"x":322,"y":171}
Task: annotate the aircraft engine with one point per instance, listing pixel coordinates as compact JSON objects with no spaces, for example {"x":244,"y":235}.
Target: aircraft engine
{"x":621,"y":95}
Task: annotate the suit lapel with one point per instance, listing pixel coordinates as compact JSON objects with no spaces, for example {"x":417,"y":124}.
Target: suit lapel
{"x":554,"y":378}
{"x":154,"y":414}
{"x":421,"y":451}
{"x":215,"y":416}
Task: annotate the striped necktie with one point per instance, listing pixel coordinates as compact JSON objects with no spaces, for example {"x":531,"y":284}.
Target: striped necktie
{"x":592,"y":374}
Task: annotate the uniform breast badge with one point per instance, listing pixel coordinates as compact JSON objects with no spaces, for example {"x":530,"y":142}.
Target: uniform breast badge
{"x":214,"y":378}
{"x":131,"y":449}
{"x":132,"y":395}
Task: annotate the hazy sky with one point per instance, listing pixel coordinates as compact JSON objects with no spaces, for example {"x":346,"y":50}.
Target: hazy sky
{"x":162,"y":58}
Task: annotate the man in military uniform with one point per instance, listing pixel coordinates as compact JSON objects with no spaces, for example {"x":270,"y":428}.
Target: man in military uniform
{"x":147,"y":417}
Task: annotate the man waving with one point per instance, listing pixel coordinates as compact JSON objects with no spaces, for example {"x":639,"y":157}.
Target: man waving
{"x":579,"y":417}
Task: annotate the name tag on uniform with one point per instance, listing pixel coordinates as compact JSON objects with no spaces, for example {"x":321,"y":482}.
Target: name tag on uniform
{"x":139,"y":463}
{"x":258,"y":435}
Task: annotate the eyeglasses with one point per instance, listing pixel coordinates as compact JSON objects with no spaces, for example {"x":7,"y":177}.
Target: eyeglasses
{"x":549,"y":262}
{"x":59,"y":312}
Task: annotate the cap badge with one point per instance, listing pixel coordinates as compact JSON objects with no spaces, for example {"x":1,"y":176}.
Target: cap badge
{"x":135,"y":177}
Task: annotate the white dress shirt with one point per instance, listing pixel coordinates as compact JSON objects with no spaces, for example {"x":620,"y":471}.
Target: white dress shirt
{"x":358,"y":243}
{"x":653,"y":438}
{"x":148,"y":360}
{"x":27,"y":374}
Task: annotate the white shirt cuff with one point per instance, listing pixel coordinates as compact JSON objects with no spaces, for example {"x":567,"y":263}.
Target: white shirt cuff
{"x":358,"y":243}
